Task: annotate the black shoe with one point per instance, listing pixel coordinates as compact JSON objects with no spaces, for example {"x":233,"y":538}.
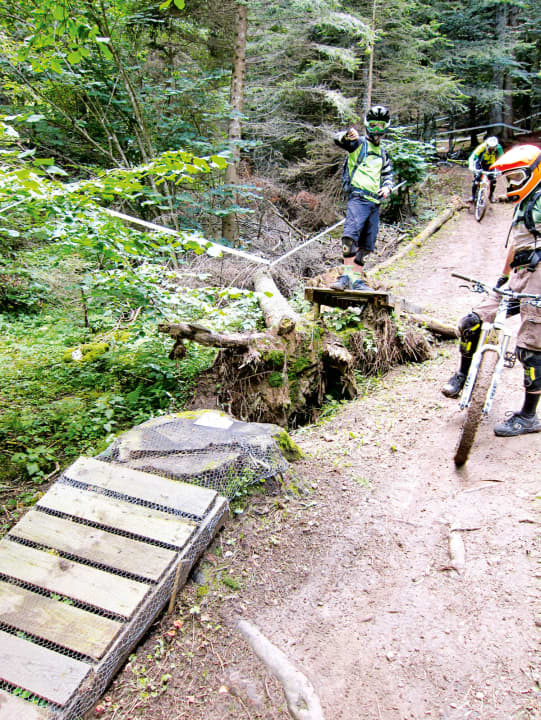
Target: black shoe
{"x":343,"y":283}
{"x":360,"y":285}
{"x":454,"y":385}
{"x":517,"y":424}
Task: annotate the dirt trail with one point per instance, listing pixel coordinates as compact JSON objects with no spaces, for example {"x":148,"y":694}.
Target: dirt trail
{"x":384,"y":627}
{"x":353,"y":580}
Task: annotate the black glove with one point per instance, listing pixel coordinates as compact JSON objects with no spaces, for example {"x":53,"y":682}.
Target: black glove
{"x":502,"y":280}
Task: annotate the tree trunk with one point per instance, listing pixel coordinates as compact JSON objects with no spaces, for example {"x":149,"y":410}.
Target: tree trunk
{"x":370,"y":79}
{"x":229,"y":224}
{"x":508,"y":84}
{"x":496,"y":114}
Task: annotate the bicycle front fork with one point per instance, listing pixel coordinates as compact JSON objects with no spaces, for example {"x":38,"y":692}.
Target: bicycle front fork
{"x":483,"y":347}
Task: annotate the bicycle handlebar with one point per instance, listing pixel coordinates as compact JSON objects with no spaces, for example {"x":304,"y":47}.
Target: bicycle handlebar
{"x":488,"y":173}
{"x":488,"y":288}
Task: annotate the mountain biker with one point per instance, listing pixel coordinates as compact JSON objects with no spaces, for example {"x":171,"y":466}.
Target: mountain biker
{"x":369,"y":180}
{"x":481,"y":159}
{"x":521,"y":167}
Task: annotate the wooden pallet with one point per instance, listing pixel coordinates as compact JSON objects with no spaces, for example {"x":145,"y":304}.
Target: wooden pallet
{"x":84,"y":574}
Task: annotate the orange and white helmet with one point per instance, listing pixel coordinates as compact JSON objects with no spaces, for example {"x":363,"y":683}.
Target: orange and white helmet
{"x":521,"y":167}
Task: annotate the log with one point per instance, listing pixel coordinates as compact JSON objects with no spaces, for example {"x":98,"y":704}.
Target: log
{"x":278,"y":313}
{"x":435,"y":326}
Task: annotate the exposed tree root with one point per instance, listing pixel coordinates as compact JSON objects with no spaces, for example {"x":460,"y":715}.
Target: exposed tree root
{"x":302,"y":700}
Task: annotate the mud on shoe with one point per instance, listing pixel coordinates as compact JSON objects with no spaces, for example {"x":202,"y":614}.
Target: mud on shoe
{"x":517,"y":424}
{"x":342,"y":283}
{"x":454,"y":385}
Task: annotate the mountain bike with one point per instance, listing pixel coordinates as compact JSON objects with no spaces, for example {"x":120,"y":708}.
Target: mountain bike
{"x":481,"y":199}
{"x":488,"y":361}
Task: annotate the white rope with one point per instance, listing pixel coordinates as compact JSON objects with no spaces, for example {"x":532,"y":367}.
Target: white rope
{"x":170,"y":231}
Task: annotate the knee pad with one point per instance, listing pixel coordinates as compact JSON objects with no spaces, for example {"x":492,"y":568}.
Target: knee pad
{"x":531,"y":361}
{"x":349,"y":247}
{"x":469,"y":328}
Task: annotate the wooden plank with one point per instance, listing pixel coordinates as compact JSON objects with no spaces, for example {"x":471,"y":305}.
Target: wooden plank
{"x":118,"y":514}
{"x":172,"y":494}
{"x":86,"y":584}
{"x":58,"y":622}
{"x":14,"y":708}
{"x":326,"y":296}
{"x":44,"y":672}
{"x":99,"y":546}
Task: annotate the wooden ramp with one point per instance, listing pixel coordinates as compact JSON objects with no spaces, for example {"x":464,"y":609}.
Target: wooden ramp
{"x":84,"y":574}
{"x":347,"y":298}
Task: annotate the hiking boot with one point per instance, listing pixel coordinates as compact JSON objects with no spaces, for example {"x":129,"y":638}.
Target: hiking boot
{"x":360,"y":285}
{"x":343,"y":283}
{"x":454,"y":385}
{"x":517,"y":424}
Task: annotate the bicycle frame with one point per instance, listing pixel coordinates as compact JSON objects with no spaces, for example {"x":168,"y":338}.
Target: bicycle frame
{"x":505,"y":335}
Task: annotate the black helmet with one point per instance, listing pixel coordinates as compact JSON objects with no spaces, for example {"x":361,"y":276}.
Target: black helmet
{"x":377,"y":120}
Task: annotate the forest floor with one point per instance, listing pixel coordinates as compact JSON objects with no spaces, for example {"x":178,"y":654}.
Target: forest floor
{"x":346,"y":567}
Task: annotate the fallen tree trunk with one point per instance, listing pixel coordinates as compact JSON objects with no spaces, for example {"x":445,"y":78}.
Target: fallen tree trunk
{"x":278,"y":313}
{"x":283,"y":375}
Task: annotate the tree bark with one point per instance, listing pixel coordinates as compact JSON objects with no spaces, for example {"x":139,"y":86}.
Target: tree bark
{"x":229,"y":224}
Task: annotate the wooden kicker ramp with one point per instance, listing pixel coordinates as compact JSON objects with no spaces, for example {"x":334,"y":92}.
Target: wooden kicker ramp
{"x":325,"y":297}
{"x":84,"y":574}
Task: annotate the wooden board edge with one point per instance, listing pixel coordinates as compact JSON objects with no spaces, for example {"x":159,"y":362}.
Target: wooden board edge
{"x":108,"y":667}
{"x":20,"y":709}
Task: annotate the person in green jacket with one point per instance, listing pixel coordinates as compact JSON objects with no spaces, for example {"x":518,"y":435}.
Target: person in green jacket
{"x":368,"y":180}
{"x":481,"y":159}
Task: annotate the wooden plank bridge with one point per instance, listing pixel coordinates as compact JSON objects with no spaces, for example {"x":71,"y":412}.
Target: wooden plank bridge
{"x":84,"y":574}
{"x":321,"y":296}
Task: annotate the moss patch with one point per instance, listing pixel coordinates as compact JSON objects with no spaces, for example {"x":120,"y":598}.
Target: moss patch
{"x":290,"y":450}
{"x":85,"y":353}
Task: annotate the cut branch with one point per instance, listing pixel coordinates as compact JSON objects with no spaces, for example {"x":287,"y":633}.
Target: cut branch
{"x":204,"y":336}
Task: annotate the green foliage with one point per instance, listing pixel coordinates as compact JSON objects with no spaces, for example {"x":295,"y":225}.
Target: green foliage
{"x":410,"y":158}
{"x":275,"y":379}
{"x":21,"y":290}
{"x":339,"y":319}
{"x":114,"y":378}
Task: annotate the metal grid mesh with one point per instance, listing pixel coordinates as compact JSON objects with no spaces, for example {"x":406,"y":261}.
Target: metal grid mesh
{"x":225,"y":455}
{"x":221,"y":454}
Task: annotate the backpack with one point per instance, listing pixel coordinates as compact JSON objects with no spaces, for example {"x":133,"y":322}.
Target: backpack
{"x":346,"y":177}
{"x":528,"y":214}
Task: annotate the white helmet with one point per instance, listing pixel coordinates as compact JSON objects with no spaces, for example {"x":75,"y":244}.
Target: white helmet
{"x":492,"y":141}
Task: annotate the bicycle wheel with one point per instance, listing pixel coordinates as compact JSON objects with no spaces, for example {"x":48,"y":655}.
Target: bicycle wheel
{"x":480,"y":203}
{"x":475,"y":409}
